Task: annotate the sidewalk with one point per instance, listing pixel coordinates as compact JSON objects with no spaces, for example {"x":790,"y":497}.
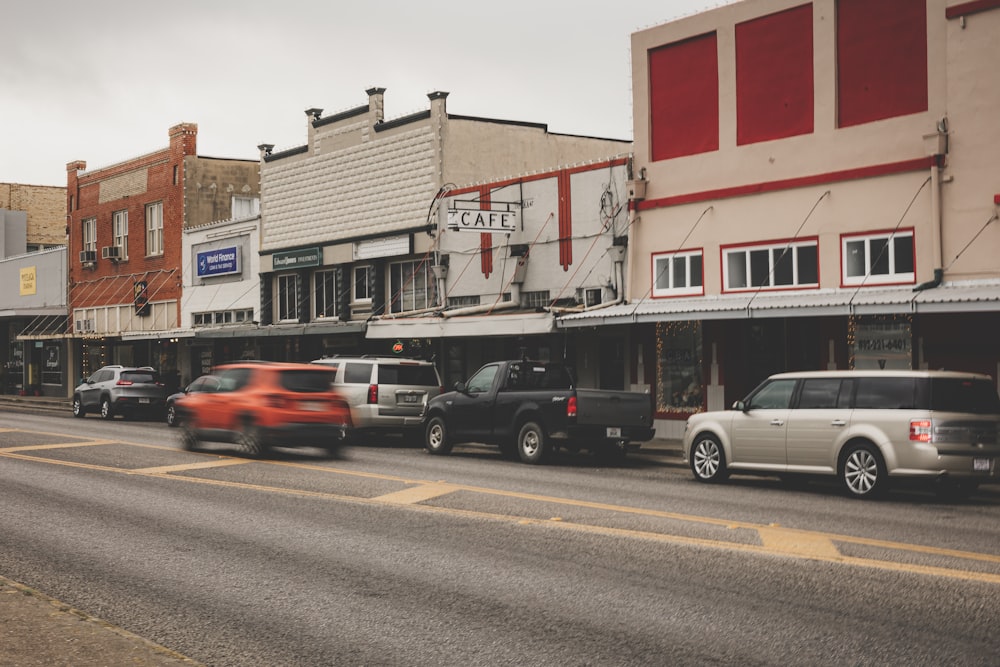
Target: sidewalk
{"x":37,"y":631}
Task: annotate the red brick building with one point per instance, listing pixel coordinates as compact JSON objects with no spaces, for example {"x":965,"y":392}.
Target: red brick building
{"x":125,"y":259}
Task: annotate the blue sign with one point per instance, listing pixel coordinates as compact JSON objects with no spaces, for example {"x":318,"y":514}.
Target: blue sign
{"x":218,"y":262}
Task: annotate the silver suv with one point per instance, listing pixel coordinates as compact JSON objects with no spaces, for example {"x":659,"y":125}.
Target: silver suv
{"x":120,"y":390}
{"x":386,"y":394}
{"x":865,"y":427}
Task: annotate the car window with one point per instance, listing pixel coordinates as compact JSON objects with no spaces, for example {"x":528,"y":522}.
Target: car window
{"x":357,"y":373}
{"x":482,"y":380}
{"x":774,"y":395}
{"x":964,"y":395}
{"x":233,"y":379}
{"x":306,"y":381}
{"x":526,"y":376}
{"x":140,"y":377}
{"x":889,"y":393}
{"x":820,"y":394}
{"x":419,"y":375}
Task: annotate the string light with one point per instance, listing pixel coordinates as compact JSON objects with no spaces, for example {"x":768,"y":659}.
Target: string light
{"x":679,"y":385}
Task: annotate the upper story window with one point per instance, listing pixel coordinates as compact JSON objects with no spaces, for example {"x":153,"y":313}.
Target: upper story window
{"x":362,"y":292}
{"x":245,"y":207}
{"x":154,"y":229}
{"x":412,"y":286}
{"x":119,"y":232}
{"x":289,"y":288}
{"x":325,"y":293}
{"x":678,"y":273}
{"x":89,"y":234}
{"x":878,"y":259}
{"x":771,"y":266}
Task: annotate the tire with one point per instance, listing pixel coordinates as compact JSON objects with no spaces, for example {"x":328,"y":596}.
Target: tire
{"x":862,"y":471}
{"x":532,"y":446}
{"x":189,"y":440}
{"x":708,"y":460}
{"x":171,"y":415}
{"x":436,"y":440}
{"x":106,"y":411}
{"x":249,"y":440}
{"x":78,"y":409}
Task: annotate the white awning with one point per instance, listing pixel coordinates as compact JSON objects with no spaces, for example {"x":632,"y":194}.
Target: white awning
{"x":157,"y":335}
{"x":971,"y":296}
{"x":497,"y":324}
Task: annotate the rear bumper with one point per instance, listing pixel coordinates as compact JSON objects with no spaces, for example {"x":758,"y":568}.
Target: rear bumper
{"x":587,"y":433}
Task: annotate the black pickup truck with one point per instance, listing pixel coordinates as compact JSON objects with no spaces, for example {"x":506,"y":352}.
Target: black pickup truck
{"x":529,"y":408}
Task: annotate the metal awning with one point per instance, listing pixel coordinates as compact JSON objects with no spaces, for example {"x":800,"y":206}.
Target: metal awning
{"x":971,"y":296}
{"x":156,"y":335}
{"x":47,"y":327}
{"x":497,"y":324}
{"x":255,"y":330}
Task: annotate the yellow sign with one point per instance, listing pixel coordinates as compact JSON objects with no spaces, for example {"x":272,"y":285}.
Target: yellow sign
{"x":27,"y":281}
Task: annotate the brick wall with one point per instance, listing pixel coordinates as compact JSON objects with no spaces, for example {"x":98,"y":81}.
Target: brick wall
{"x":46,"y":209}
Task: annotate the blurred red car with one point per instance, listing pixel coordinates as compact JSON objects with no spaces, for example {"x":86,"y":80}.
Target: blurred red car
{"x":260,"y":405}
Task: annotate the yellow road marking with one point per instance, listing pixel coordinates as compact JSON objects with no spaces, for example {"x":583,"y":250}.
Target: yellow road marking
{"x":60,"y":445}
{"x":416,"y":494}
{"x":794,"y":543}
{"x":160,"y":470}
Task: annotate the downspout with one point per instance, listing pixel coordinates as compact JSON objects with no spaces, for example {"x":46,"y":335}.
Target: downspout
{"x":937,"y":148}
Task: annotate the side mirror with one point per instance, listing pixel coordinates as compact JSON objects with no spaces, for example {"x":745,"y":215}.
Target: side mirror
{"x":741,"y":406}
{"x":460,"y":387}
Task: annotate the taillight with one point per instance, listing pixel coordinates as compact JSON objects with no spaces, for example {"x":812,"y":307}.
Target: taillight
{"x":571,"y":407}
{"x":124,"y":383}
{"x":373,"y":394}
{"x":920,"y":430}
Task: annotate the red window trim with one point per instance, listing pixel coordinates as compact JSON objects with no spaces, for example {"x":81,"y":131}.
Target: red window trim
{"x":967,"y":8}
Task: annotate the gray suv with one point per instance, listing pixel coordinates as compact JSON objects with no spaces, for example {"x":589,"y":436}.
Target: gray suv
{"x":865,"y":427}
{"x":120,"y":390}
{"x":386,"y":394}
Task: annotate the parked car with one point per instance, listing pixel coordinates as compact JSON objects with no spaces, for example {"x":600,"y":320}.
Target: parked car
{"x":865,"y":427}
{"x":260,"y":405}
{"x":120,"y":390}
{"x":528,"y":408}
{"x":387,"y":395}
{"x":203,"y":383}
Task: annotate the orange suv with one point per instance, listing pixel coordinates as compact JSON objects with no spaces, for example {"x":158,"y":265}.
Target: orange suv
{"x":260,"y":405}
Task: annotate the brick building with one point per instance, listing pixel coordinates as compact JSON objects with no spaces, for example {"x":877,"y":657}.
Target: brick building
{"x":125,"y":250}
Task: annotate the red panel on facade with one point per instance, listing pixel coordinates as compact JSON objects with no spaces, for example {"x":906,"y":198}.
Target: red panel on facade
{"x":565,"y":221}
{"x":774,"y":76}
{"x":684,"y":98}
{"x":881,"y":59}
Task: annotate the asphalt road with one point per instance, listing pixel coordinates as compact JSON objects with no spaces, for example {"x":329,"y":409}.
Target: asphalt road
{"x":392,"y":556}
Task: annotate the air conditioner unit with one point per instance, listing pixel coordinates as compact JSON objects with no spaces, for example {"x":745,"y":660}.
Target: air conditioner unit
{"x":111,"y":252}
{"x":83,"y":326}
{"x":87,"y":256}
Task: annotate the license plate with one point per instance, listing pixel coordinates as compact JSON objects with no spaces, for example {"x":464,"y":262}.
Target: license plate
{"x":981,"y":465}
{"x":312,"y":406}
{"x":411,"y":398}
{"x":144,"y":400}
{"x":614,"y":432}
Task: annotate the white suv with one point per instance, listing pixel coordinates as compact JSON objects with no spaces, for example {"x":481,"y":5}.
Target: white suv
{"x":386,"y":394}
{"x":865,"y":427}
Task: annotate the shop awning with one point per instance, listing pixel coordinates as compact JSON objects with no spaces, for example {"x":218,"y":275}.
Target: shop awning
{"x":255,"y":330}
{"x":157,"y":335}
{"x":498,"y":324}
{"x":973,"y":296}
{"x":47,"y":327}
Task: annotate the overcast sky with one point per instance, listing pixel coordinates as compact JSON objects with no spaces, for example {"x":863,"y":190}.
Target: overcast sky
{"x":102,"y":81}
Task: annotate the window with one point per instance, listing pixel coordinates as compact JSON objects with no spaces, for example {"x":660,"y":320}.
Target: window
{"x":775,"y":395}
{"x":119,"y":232}
{"x":357,"y":373}
{"x":878,"y":259}
{"x":90,"y":234}
{"x":245,"y":207}
{"x":362,"y":284}
{"x":537,"y":299}
{"x":679,"y":388}
{"x":678,"y":274}
{"x":824,"y":394}
{"x":222,"y":317}
{"x":783,"y":266}
{"x":412,"y":286}
{"x":889,"y":393}
{"x":325,"y":292}
{"x":154,"y":229}
{"x":288,"y":297}
{"x":483,"y":379}
{"x":459,"y":301}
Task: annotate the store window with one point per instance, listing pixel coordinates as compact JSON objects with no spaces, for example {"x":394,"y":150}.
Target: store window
{"x":362,"y":285}
{"x":679,"y":388}
{"x":325,"y":293}
{"x":289,"y":287}
{"x":411,"y":285}
{"x":880,"y":342}
{"x":678,"y":274}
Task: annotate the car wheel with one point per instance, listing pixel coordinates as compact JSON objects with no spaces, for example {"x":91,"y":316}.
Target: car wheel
{"x":436,"y":437}
{"x":78,"y":409}
{"x":708,"y":461}
{"x":250,"y":440}
{"x":106,"y":411}
{"x":189,"y":439}
{"x":531,"y":444}
{"x":862,"y":471}
{"x":171,"y":415}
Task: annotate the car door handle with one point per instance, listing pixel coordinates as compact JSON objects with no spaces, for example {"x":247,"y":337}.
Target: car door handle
{"x":838,"y":422}
{"x":777,"y":422}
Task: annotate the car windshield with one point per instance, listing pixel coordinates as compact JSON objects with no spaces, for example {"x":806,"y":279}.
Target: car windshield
{"x":964,"y":395}
{"x":306,"y":381}
{"x":140,"y":377}
{"x":423,"y":376}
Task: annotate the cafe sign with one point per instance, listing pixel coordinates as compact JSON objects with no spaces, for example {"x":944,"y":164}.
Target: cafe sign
{"x":468,"y":217}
